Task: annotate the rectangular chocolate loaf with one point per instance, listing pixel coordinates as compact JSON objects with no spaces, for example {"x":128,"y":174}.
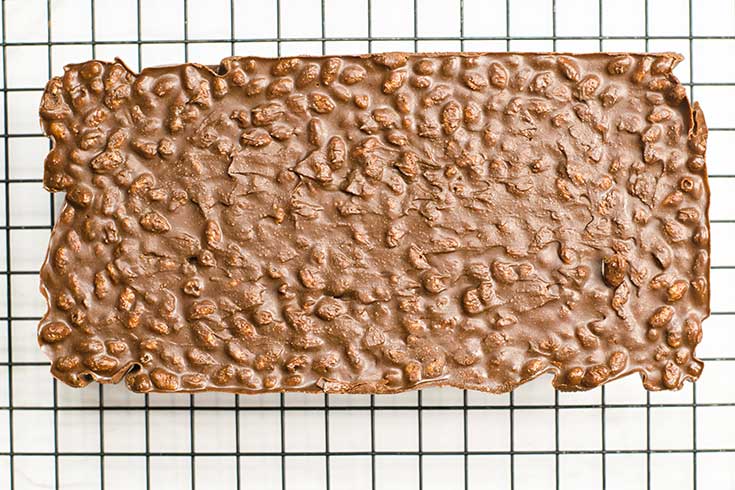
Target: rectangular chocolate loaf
{"x":377,"y":223}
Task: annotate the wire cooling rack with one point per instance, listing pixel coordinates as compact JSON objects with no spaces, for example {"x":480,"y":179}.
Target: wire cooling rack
{"x":619,"y":436}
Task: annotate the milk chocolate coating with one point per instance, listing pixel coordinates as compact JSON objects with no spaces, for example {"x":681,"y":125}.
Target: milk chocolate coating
{"x":377,"y":223}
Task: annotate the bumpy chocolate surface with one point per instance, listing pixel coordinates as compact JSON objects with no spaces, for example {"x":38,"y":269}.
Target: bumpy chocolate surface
{"x":375,"y":224}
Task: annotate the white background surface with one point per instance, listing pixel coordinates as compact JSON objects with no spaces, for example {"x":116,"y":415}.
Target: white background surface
{"x":616,"y":438}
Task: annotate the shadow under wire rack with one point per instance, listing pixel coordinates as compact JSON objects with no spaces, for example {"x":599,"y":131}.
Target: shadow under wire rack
{"x":104,"y":437}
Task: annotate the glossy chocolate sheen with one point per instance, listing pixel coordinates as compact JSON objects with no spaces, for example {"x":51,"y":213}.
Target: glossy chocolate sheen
{"x":377,"y":223}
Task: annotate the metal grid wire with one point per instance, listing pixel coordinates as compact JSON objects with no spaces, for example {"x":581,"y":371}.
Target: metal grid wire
{"x":104,"y":437}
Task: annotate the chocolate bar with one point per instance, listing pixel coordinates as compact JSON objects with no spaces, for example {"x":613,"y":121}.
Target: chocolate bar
{"x":376,"y":223}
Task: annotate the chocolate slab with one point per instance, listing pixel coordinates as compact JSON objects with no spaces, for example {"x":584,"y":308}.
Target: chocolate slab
{"x":377,"y":223}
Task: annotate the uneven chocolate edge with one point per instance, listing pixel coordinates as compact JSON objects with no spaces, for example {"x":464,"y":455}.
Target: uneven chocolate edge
{"x":697,"y":131}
